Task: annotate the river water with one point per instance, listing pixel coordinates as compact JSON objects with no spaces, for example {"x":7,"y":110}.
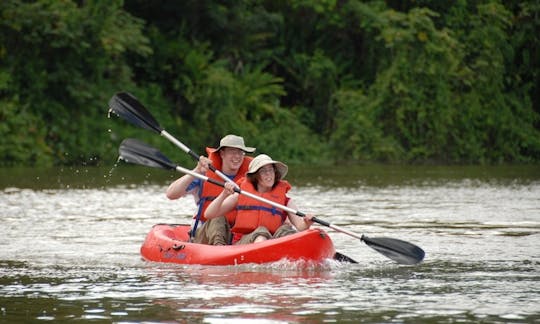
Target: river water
{"x":70,"y":239}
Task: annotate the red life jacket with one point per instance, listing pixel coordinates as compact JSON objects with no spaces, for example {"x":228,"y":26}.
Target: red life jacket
{"x":252,"y":213}
{"x":210,"y":191}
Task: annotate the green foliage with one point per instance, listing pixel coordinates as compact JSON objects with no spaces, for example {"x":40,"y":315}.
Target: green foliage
{"x":407,"y":111}
{"x":441,"y":95}
{"x":62,"y":60}
{"x":358,"y":136}
{"x":303,"y":81}
{"x":22,"y":139}
{"x":283,"y":137}
{"x":499,"y":116}
{"x":247,"y":104}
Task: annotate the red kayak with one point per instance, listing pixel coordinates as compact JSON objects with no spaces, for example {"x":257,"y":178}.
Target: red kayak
{"x":170,"y":243}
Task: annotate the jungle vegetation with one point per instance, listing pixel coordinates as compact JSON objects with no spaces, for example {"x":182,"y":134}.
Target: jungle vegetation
{"x":310,"y":81}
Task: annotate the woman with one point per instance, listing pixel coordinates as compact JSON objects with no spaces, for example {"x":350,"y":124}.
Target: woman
{"x":257,"y":221}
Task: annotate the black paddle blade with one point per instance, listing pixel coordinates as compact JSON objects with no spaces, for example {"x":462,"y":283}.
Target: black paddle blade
{"x":400,"y":251}
{"x":343,"y":258}
{"x":137,"y":152}
{"x":125,"y":105}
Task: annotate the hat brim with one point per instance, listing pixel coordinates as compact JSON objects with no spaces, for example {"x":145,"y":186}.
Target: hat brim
{"x":246,"y":149}
{"x":280,"y":166}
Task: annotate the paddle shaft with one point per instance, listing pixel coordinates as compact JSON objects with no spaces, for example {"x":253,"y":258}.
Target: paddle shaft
{"x":131,"y":109}
{"x":270,"y":202}
{"x":181,"y":145}
{"x":186,"y":149}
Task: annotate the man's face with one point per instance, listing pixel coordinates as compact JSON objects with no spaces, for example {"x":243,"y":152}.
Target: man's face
{"x":232,"y":158}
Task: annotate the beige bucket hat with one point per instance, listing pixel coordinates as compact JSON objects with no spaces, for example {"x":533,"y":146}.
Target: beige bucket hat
{"x":261,"y":160}
{"x":236,"y":142}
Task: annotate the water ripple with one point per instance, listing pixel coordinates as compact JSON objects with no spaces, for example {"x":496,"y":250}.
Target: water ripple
{"x":68,"y":255}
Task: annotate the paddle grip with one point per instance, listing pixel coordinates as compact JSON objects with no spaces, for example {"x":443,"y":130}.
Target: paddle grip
{"x":324,"y":223}
{"x":222,"y":184}
{"x":210,"y":166}
{"x":217,"y":183}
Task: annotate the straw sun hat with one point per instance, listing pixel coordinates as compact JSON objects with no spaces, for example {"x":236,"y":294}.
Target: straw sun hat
{"x":262,"y":160}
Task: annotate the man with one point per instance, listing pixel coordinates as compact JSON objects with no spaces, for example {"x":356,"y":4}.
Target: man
{"x":230,"y":159}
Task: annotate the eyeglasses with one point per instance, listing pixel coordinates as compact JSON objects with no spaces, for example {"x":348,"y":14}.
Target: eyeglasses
{"x":233,"y":151}
{"x":266,"y":170}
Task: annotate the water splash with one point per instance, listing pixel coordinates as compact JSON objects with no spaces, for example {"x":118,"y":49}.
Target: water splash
{"x":109,"y":175}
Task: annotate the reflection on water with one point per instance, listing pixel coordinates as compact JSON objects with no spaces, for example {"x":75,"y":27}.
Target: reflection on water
{"x":69,"y":251}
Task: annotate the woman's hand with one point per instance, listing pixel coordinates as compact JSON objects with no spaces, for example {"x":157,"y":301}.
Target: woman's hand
{"x":308,"y":219}
{"x":224,"y":202}
{"x":228,"y":189}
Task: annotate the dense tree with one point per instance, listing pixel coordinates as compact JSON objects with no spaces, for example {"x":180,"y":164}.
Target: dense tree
{"x":306,"y":81}
{"x":59,"y":62}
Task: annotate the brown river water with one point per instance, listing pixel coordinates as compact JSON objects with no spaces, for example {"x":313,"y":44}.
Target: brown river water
{"x":70,"y":239}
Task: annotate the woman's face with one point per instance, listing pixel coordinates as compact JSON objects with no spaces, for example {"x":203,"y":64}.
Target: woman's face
{"x":267,"y":176}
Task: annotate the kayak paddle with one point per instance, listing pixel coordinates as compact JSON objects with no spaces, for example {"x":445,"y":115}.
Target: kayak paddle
{"x":402,"y":252}
{"x":125,"y":105}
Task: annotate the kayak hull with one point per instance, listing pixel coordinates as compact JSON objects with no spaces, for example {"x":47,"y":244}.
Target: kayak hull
{"x":170,"y":243}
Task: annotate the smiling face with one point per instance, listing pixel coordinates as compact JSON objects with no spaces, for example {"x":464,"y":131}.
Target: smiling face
{"x":232,"y":159}
{"x":266,"y":177}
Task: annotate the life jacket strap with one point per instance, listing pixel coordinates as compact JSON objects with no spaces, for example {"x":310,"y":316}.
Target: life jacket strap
{"x":199,"y":214}
{"x":272,"y":210}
